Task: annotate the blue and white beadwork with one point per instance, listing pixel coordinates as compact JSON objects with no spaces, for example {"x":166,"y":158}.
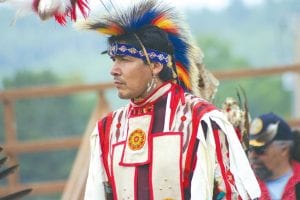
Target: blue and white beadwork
{"x":129,"y":50}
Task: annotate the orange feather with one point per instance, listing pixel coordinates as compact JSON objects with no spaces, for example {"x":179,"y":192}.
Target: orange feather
{"x":183,"y":75}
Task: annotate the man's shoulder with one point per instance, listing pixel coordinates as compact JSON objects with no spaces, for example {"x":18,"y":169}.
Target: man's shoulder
{"x":296,"y":166}
{"x":197,"y":102}
{"x":120,"y":110}
{"x":111,"y":114}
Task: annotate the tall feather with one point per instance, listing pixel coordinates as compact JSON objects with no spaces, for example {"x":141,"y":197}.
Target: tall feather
{"x":247,"y":120}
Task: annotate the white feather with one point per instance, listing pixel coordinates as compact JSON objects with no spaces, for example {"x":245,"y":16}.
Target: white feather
{"x":47,"y":8}
{"x":22,"y":7}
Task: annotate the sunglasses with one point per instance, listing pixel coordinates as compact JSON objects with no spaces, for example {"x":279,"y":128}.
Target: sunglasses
{"x":258,"y":150}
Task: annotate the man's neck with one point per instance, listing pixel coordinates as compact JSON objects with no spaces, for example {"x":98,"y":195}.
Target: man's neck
{"x":281,"y":170}
{"x":146,"y":94}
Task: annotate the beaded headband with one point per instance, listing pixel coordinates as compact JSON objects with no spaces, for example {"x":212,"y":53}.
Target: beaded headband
{"x":121,"y":49}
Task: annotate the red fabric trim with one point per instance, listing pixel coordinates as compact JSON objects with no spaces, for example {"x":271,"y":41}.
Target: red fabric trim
{"x":177,"y":93}
{"x":264,"y":191}
{"x":222,"y":166}
{"x":289,"y":190}
{"x":196,"y":117}
{"x":104,"y":133}
{"x":239,"y":134}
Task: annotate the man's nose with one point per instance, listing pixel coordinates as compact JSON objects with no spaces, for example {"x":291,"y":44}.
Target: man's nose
{"x":252,"y":155}
{"x":115,"y":69}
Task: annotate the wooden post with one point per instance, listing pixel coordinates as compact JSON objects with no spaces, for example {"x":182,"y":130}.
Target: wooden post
{"x":10,"y":139}
{"x":74,"y":189}
{"x":9,"y":122}
{"x":296,"y":109}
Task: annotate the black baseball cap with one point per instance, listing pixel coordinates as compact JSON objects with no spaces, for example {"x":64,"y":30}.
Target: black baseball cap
{"x":268,"y":127}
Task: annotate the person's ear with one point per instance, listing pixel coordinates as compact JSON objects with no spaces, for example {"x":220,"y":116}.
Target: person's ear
{"x":156,"y":68}
{"x":285,"y":149}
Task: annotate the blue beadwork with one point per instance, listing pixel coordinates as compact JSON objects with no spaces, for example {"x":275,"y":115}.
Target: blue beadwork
{"x":129,"y":50}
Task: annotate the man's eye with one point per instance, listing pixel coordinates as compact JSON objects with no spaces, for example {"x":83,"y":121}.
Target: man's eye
{"x":124,"y":59}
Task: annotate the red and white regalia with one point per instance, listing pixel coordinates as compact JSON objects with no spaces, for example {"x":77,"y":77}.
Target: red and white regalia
{"x":172,"y":145}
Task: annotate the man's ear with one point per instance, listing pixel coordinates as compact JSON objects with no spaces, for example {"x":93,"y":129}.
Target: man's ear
{"x":156,"y":68}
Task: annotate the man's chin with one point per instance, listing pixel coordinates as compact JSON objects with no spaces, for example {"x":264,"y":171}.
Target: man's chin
{"x":123,"y":96}
{"x":263,"y":173}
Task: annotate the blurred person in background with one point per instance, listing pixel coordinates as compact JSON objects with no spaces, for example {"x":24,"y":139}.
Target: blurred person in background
{"x":272,"y":154}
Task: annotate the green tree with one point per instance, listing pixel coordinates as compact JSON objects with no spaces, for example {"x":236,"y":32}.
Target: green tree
{"x":265,"y":94}
{"x":218,"y":54}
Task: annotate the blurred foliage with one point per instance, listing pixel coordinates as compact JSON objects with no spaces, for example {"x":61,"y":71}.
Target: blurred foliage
{"x":57,"y":162}
{"x":51,"y":117}
{"x":218,"y":54}
{"x":265,"y":94}
{"x":47,"y":118}
{"x":262,"y":34}
{"x":26,"y":78}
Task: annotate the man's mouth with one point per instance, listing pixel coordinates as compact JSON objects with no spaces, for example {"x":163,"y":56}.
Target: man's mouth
{"x":256,"y":165}
{"x":118,"y":83}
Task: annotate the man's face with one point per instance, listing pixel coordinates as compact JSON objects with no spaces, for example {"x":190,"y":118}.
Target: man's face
{"x":131,"y":76}
{"x":265,"y":161}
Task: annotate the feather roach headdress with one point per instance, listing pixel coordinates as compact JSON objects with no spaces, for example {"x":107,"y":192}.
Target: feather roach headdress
{"x":187,"y":57}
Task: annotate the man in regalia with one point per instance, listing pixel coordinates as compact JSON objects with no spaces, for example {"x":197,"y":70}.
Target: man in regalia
{"x":168,"y":142}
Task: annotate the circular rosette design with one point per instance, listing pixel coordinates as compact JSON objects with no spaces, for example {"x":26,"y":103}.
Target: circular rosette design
{"x":137,"y":139}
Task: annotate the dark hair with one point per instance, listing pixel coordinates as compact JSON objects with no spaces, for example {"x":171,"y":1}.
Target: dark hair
{"x":151,"y":37}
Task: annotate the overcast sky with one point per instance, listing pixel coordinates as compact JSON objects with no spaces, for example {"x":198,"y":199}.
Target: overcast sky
{"x":210,"y":4}
{"x":180,"y":4}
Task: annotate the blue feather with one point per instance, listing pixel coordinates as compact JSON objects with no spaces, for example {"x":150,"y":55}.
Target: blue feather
{"x":181,"y":50}
{"x":145,"y":19}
